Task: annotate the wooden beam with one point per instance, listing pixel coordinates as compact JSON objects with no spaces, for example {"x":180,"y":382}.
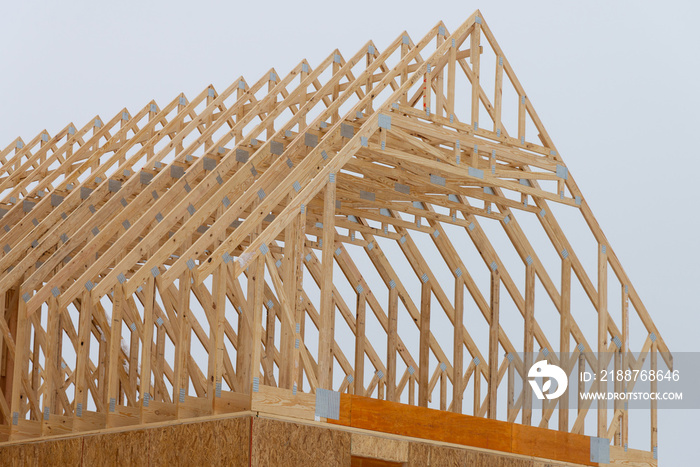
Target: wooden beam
{"x":52,"y":356}
{"x":287,"y":335}
{"x":268,"y":358}
{"x":614,"y":430}
{"x":360,"y":344}
{"x":625,"y":360}
{"x":10,"y":303}
{"x":256,"y":307}
{"x":216,"y":346}
{"x":451,"y":71}
{"x":424,"y":358}
{"x":19,"y":369}
{"x":494,"y":326}
{"x":147,"y":346}
{"x":458,"y":346}
{"x":439,"y":82}
{"x":565,"y":337}
{"x":114,"y":352}
{"x":299,"y":307}
{"x":392,"y":335}
{"x":580,"y":410}
{"x":182,"y":346}
{"x":511,"y":392}
{"x":653,"y":366}
{"x":475,"y":39}
{"x":498,"y":97}
{"x":602,"y":335}
{"x":83,"y":354}
{"x":445,"y":427}
{"x":528,"y":341}
{"x":325,"y":332}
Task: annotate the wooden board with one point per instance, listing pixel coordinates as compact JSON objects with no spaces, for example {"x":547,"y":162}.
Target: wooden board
{"x":271,"y":400}
{"x":376,"y":447}
{"x":419,"y":422}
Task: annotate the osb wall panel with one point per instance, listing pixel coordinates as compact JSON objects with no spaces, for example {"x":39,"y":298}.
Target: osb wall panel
{"x":125,"y":448}
{"x":63,"y":452}
{"x":218,"y":442}
{"x":228,"y":442}
{"x":234,"y":438}
{"x":422,"y":454}
{"x":18,"y":455}
{"x":171,"y":444}
{"x":277,"y":443}
{"x":485,"y":459}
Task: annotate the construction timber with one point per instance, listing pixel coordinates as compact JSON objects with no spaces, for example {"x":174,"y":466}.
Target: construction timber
{"x":294,"y":249}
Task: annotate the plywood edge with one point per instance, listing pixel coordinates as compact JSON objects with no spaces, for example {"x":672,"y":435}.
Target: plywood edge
{"x":375,"y":447}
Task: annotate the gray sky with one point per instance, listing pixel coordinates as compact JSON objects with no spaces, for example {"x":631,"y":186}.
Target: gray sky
{"x":615,"y":84}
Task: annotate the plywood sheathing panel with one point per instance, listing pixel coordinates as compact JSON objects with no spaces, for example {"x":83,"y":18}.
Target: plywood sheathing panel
{"x":124,"y":448}
{"x":277,"y":443}
{"x":218,"y":442}
{"x":215,"y":442}
{"x":19,"y":455}
{"x":63,"y":452}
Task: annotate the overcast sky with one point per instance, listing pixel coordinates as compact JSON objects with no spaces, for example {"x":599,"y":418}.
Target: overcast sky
{"x":615,"y":84}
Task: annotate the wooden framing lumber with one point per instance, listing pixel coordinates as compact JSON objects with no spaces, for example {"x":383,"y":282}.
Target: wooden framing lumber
{"x":354,"y":189}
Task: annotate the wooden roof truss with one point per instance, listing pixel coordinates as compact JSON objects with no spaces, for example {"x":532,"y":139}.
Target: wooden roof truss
{"x":168,"y":263}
